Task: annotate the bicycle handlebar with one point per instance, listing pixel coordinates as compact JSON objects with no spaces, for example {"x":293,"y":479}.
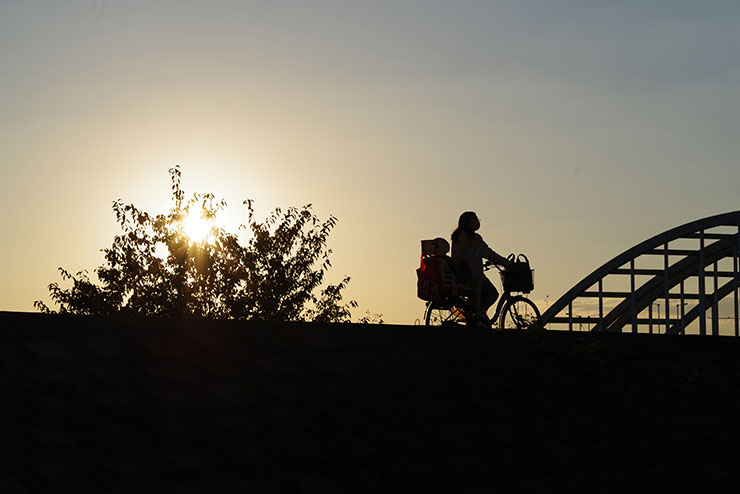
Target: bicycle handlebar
{"x":489,"y":264}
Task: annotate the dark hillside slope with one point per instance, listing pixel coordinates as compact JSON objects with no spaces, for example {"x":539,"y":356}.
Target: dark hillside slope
{"x":94,"y":404}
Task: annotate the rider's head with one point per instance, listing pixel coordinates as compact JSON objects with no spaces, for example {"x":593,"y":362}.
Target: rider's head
{"x":468,"y":221}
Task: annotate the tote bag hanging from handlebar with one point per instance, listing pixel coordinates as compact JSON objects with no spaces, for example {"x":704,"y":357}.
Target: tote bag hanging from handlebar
{"x":520,"y":278}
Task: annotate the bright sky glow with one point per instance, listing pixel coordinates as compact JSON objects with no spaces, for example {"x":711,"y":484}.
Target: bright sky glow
{"x":196,"y":227}
{"x":574,"y":128}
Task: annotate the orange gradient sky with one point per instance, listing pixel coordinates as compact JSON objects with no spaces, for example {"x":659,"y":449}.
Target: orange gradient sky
{"x":575,"y":129}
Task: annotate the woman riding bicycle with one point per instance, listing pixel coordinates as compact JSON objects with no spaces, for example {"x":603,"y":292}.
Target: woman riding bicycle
{"x":468,"y":251}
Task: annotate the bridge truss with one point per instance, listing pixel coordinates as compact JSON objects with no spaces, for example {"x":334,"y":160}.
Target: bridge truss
{"x":688,"y":270}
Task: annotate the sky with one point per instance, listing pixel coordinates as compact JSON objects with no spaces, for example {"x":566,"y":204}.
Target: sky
{"x":575,"y":129}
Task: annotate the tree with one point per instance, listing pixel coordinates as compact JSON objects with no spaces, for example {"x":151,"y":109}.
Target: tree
{"x":154,"y":268}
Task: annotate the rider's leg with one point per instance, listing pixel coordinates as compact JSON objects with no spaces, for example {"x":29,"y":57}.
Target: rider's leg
{"x":475,"y":299}
{"x":485,"y":295}
{"x":488,"y":295}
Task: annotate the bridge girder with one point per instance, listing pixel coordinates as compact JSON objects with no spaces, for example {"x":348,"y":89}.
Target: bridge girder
{"x":659,"y":286}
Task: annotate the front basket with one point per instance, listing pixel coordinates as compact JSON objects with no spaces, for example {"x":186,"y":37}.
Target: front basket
{"x":518,"y":280}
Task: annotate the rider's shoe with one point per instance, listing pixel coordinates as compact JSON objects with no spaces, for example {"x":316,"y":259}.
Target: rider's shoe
{"x":482,"y":320}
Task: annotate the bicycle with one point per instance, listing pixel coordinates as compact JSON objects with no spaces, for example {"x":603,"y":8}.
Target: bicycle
{"x":512,"y":311}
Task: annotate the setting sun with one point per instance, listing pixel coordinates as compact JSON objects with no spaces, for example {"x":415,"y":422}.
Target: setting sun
{"x":196,"y":227}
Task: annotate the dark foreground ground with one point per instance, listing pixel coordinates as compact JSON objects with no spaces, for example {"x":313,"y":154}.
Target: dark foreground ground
{"x":92,"y":404}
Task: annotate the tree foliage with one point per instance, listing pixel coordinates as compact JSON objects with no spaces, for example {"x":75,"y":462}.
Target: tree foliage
{"x":153,"y":268}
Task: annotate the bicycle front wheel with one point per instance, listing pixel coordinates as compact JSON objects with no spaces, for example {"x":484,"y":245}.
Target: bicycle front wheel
{"x":520,"y":313}
{"x":438,"y":315}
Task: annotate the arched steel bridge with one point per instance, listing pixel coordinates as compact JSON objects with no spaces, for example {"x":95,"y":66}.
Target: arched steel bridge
{"x":690,"y":268}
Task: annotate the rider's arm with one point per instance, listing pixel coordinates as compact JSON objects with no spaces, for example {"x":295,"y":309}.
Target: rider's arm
{"x":491,"y":255}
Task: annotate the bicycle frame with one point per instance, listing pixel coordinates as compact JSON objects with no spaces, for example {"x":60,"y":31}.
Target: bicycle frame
{"x":505,"y":296}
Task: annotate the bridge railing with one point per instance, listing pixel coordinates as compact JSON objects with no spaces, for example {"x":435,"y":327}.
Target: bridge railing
{"x":716,"y":259}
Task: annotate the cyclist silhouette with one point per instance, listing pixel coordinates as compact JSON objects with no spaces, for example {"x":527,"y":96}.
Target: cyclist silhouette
{"x":468,"y":251}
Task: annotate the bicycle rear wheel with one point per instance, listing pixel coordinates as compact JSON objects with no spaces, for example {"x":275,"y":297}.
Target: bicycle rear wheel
{"x":438,"y":315}
{"x":520,"y":313}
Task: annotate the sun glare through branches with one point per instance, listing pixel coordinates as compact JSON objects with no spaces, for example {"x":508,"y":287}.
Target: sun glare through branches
{"x":197,"y":228}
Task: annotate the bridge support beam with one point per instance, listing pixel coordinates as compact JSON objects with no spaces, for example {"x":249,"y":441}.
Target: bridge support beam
{"x":666,"y":287}
{"x":736,"y":263}
{"x":702,"y":288}
{"x":695,"y":264}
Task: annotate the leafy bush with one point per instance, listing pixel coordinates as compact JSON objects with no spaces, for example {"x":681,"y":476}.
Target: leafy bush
{"x":153,"y":268}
